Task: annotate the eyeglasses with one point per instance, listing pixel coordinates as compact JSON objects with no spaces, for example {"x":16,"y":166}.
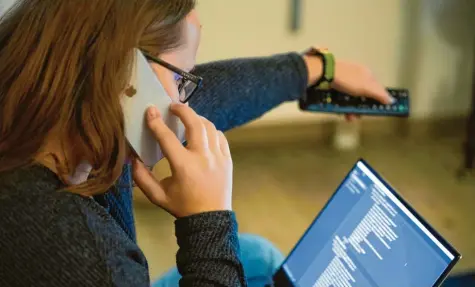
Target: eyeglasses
{"x":188,"y":83}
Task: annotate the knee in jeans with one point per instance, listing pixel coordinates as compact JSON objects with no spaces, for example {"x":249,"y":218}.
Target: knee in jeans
{"x":258,"y":253}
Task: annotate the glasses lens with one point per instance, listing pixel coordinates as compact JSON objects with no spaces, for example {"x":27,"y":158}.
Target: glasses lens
{"x":186,"y":90}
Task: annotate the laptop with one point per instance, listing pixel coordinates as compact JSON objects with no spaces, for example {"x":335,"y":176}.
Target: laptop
{"x":367,"y":236}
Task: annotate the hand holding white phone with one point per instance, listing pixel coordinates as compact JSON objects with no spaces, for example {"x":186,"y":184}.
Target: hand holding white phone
{"x":202,"y":172}
{"x":201,"y":179}
{"x":149,"y":92}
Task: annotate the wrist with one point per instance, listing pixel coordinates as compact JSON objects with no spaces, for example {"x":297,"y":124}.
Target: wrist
{"x":314,"y":68}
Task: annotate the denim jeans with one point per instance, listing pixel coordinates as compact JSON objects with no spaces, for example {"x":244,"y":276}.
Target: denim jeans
{"x":260,"y":259}
{"x":460,"y":280}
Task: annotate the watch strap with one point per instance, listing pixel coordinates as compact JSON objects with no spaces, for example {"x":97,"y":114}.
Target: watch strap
{"x":328,"y":68}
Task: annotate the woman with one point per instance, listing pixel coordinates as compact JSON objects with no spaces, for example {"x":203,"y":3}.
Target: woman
{"x":64,"y":66}
{"x":236,"y":92}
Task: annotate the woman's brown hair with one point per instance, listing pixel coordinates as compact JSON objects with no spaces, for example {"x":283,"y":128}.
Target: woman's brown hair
{"x":64,"y":66}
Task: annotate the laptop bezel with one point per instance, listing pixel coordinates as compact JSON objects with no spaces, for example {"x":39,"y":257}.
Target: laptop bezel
{"x":436,"y":234}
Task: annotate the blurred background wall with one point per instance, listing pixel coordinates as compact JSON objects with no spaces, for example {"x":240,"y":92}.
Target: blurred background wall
{"x":424,"y":45}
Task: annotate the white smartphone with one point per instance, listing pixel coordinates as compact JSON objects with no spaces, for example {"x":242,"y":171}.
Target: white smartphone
{"x":149,"y":91}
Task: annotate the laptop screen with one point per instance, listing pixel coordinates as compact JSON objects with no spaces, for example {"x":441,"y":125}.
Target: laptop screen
{"x":367,"y":235}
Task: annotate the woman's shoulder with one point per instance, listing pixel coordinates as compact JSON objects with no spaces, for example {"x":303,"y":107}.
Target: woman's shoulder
{"x":36,"y":192}
{"x":67,"y":232}
{"x":28,"y":180}
{"x":31,"y":198}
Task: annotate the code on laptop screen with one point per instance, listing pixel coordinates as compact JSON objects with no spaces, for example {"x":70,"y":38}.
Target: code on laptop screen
{"x":366,"y":236}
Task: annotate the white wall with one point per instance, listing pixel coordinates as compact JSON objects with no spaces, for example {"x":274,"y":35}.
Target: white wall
{"x":425,"y":45}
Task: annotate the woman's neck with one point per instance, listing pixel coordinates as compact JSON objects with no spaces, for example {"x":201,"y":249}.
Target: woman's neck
{"x":55,"y":158}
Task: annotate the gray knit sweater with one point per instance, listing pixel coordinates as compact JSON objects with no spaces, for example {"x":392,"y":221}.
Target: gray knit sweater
{"x":51,"y":238}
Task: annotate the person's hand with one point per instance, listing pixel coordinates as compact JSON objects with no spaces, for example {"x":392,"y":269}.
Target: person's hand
{"x":201,"y":179}
{"x":358,"y":80}
{"x":351,"y":78}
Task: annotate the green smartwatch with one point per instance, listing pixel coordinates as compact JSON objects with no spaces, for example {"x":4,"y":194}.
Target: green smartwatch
{"x":328,"y":74}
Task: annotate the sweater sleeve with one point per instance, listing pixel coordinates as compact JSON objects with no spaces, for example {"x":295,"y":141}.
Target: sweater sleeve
{"x":73,"y":241}
{"x":63,"y":239}
{"x":237,"y":91}
{"x":208,"y":252}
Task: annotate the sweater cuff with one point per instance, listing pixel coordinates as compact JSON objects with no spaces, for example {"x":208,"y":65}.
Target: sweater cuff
{"x":206,"y":221}
{"x":297,"y":64}
{"x":209,"y":250}
{"x":207,"y":235}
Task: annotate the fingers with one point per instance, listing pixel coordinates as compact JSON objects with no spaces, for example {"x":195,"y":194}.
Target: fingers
{"x":216,"y":140}
{"x":195,"y":132}
{"x":358,"y":80}
{"x":145,"y":180}
{"x":167,"y":140}
{"x":212,"y":134}
{"x":351,"y":117}
{"x":223,"y":144}
{"x":379,"y":93}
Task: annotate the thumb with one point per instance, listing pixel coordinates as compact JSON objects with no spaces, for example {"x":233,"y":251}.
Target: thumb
{"x":153,"y":189}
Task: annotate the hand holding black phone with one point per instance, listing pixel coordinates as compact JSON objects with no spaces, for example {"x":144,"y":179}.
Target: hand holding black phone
{"x":332,"y":101}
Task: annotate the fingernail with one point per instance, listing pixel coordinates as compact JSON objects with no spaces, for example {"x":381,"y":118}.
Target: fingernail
{"x":152,"y":113}
{"x":392,"y":99}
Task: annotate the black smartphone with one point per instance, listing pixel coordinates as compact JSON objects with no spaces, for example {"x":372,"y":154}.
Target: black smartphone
{"x":332,"y":101}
